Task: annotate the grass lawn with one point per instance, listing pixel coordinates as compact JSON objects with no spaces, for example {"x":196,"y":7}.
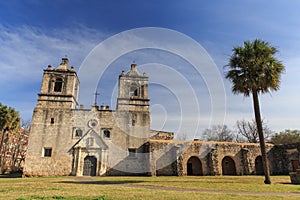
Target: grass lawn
{"x":191,"y":187}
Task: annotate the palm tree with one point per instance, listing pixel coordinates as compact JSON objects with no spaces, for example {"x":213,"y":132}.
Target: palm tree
{"x":255,"y":70}
{"x":9,"y":124}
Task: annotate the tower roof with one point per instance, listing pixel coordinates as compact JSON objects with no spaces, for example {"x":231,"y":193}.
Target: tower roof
{"x":133,"y":71}
{"x":64,"y":65}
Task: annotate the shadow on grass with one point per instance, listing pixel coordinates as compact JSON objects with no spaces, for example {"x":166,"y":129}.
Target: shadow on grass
{"x":13,"y":175}
{"x":287,"y":183}
{"x":102,"y":182}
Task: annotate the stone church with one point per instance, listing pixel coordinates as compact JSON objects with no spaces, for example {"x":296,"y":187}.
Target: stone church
{"x":67,"y":139}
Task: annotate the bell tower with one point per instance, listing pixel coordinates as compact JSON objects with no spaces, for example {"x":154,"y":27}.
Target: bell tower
{"x":133,"y":101}
{"x":133,"y":91}
{"x":59,"y":87}
{"x":52,"y":122}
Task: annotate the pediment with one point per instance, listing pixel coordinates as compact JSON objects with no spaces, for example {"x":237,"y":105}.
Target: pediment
{"x":91,"y":140}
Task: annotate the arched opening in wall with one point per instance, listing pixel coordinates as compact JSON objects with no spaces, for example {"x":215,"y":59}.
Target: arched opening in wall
{"x":134,"y":91}
{"x":58,"y":85}
{"x":194,"y":166}
{"x":259,"y":170}
{"x":89,"y":166}
{"x":295,"y":165}
{"x":228,"y":166}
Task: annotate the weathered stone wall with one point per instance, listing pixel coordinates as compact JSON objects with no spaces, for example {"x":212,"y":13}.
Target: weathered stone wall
{"x":283,"y":157}
{"x":57,"y":136}
{"x":177,"y":155}
{"x":161,"y":135}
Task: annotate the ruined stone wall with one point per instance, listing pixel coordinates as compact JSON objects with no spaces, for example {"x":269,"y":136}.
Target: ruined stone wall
{"x":161,"y":135}
{"x":210,"y":156}
{"x":285,"y":158}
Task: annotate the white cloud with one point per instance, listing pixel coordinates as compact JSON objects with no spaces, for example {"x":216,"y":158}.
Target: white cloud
{"x":26,"y":51}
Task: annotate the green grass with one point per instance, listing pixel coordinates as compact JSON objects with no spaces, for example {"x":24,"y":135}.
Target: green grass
{"x":106,"y":188}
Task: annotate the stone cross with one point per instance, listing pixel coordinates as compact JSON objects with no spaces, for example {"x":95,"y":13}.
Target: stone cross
{"x":96,"y":94}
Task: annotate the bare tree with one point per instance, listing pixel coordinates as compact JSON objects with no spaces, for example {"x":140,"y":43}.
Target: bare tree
{"x":218,"y":133}
{"x":248,"y":131}
{"x":25,"y":124}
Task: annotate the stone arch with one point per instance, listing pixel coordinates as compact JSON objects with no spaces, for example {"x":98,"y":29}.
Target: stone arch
{"x":259,"y":170}
{"x":58,"y":84}
{"x":134,"y":90}
{"x":90,"y":166}
{"x":228,"y":166}
{"x":194,"y":166}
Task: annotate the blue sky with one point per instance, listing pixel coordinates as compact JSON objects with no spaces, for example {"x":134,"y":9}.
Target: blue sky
{"x":36,"y":33}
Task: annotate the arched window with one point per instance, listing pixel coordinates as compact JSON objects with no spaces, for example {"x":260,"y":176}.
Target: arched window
{"x":58,"y":85}
{"x":134,"y":91}
{"x":90,"y":141}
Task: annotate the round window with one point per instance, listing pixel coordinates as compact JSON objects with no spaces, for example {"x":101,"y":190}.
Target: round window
{"x":92,"y":123}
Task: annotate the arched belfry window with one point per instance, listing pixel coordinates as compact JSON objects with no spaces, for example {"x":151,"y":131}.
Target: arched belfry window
{"x":58,"y":85}
{"x":134,"y":91}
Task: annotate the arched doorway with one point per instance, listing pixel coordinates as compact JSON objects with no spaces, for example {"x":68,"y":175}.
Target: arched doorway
{"x":90,"y":165}
{"x":194,"y":166}
{"x":259,"y":170}
{"x":228,"y":166}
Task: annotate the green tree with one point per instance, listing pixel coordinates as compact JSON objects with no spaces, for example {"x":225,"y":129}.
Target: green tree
{"x":253,"y":69}
{"x":9,"y":124}
{"x":286,"y":137}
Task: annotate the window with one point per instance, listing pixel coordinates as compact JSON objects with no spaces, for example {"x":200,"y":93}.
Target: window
{"x":58,"y":85}
{"x":90,"y":141}
{"x":133,"y":122}
{"x":47,"y":152}
{"x":134,"y":91}
{"x":78,"y":132}
{"x":92,"y":123}
{"x":52,"y":120}
{"x":106,"y":134}
{"x":132,"y":153}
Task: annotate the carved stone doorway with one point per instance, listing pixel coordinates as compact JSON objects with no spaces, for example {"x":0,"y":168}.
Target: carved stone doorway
{"x":90,"y":166}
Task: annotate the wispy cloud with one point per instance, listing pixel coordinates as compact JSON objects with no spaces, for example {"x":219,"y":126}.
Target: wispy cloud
{"x":26,"y":51}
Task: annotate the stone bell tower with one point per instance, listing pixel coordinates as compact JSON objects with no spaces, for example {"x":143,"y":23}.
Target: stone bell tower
{"x":133,"y":97}
{"x":133,"y":103}
{"x":133,"y":91}
{"x":51,"y":128}
{"x":59,"y":87}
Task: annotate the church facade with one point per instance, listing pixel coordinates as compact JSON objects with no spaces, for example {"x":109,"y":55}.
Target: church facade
{"x":66,"y":139}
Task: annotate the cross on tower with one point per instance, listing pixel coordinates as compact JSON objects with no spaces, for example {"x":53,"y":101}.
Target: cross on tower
{"x":96,"y":94}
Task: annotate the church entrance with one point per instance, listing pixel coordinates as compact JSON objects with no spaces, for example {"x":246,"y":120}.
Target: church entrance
{"x":228,"y":166}
{"x":259,"y":170}
{"x":194,"y":166}
{"x":89,"y":167}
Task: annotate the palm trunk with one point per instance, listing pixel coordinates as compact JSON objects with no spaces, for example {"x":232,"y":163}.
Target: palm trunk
{"x":261,"y":137}
{"x":1,"y":146}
